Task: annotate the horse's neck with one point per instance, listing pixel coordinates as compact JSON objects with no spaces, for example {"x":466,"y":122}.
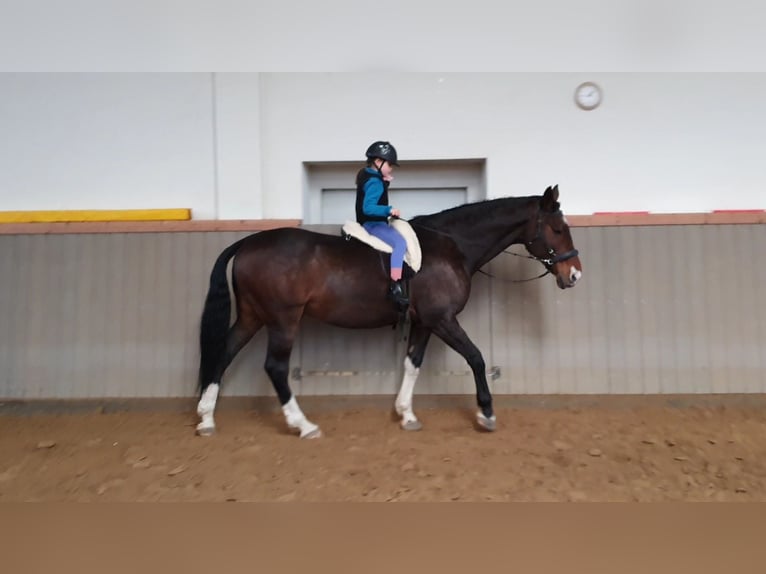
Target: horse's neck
{"x":489,"y":240}
{"x":482,"y":231}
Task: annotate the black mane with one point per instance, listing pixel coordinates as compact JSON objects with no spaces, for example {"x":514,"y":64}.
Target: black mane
{"x":471,"y":214}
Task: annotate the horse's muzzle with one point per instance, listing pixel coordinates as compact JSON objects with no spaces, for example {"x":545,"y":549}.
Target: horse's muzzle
{"x":570,"y":280}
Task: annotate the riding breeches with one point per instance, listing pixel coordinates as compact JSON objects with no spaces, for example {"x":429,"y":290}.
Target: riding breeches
{"x":390,"y":236}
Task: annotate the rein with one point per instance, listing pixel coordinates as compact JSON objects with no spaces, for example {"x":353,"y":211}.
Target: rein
{"x":543,"y":274}
{"x":547,"y":262}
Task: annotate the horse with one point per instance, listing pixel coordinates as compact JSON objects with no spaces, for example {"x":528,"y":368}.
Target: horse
{"x":283,"y":274}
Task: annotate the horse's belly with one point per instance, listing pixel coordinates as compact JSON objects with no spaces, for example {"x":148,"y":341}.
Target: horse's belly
{"x":352,"y":311}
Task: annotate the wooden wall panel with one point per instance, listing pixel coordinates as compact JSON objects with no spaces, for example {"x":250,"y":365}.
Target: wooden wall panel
{"x":660,"y":309}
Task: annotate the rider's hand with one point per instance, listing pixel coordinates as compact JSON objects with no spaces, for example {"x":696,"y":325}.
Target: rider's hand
{"x":394,"y":212}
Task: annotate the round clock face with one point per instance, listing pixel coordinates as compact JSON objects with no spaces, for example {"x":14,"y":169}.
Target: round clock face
{"x":588,"y":95}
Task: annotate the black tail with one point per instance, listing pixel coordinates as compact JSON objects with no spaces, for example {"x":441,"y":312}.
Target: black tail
{"x":215,"y":318}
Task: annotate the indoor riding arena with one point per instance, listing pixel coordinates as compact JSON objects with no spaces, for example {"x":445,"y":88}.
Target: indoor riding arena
{"x":644,"y":381}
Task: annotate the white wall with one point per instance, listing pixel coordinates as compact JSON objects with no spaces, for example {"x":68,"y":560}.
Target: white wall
{"x":659,"y":142}
{"x":238,"y":147}
{"x":232,"y":146}
{"x":106,"y":141}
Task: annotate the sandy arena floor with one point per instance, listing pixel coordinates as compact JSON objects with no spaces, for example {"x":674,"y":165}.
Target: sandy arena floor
{"x":537,"y":454}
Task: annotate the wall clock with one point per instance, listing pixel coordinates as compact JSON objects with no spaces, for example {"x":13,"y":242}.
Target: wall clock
{"x":588,"y":95}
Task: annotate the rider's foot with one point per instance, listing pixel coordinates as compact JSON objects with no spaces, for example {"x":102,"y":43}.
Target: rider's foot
{"x":396,"y":294}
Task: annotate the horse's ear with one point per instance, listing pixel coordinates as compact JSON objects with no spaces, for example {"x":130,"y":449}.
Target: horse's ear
{"x":550,"y":197}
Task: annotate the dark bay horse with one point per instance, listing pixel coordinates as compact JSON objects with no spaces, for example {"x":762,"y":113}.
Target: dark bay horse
{"x":282,"y":274}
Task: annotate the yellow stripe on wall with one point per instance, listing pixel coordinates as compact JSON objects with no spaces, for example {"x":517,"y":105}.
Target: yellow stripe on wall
{"x":95,"y":215}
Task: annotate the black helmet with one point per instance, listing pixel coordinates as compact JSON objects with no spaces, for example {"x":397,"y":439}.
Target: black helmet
{"x":382,"y":150}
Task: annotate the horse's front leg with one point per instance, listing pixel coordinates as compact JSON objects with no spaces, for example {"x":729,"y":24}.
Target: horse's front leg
{"x":419,"y":336}
{"x":452,"y":333}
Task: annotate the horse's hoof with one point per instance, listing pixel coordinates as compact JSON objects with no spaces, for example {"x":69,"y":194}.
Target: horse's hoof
{"x":205,"y":430}
{"x":314,"y":433}
{"x":412,"y":425}
{"x":486,"y":423}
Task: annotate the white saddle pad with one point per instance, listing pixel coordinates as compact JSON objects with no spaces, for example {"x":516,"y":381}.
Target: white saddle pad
{"x":413,"y":257}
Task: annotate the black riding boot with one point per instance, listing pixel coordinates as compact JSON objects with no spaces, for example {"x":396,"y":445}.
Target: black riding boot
{"x":396,"y":294}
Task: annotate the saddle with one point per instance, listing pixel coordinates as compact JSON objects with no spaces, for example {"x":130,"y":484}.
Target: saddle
{"x":413,"y":257}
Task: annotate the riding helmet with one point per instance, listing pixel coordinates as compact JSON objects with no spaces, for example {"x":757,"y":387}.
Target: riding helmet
{"x":382,"y":150}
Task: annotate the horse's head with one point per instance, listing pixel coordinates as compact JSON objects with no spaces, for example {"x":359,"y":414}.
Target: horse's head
{"x":549,"y":241}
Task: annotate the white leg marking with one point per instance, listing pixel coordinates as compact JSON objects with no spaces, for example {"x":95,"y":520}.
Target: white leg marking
{"x":205,"y":409}
{"x":403,"y":404}
{"x":297,"y":420}
{"x":487,"y":423}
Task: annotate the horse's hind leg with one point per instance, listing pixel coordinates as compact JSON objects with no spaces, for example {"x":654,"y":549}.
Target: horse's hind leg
{"x":416,"y":350}
{"x":237,"y":337}
{"x":278,"y":366}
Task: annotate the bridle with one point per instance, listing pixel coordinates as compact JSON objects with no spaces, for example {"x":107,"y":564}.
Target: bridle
{"x":553,"y":257}
{"x":549,"y":261}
